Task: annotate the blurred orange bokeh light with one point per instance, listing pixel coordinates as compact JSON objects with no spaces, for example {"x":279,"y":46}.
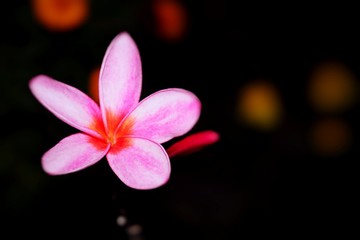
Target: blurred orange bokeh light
{"x":330,"y":137}
{"x":94,"y":84}
{"x":170,"y":19}
{"x":259,"y":105}
{"x":61,"y":15}
{"x":332,"y":87}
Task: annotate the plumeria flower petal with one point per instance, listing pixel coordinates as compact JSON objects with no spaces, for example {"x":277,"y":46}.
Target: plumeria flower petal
{"x":67,"y":103}
{"x":193,"y":143}
{"x":161,"y":120}
{"x":73,"y":153}
{"x":128,"y":132}
{"x":120,"y":80}
{"x":143,"y":164}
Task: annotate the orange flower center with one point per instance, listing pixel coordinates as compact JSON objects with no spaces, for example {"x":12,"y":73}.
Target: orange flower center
{"x":114,"y":131}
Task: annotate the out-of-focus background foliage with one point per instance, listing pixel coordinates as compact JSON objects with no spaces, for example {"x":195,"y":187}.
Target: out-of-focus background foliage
{"x":279,"y":83}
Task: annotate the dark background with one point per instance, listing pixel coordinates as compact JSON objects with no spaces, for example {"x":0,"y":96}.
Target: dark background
{"x":251,"y":183}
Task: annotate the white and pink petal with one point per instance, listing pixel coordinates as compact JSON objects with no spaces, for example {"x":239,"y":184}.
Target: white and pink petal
{"x":164,"y":115}
{"x":73,"y":153}
{"x":120,"y":80}
{"x":140,"y":163}
{"x":67,"y":103}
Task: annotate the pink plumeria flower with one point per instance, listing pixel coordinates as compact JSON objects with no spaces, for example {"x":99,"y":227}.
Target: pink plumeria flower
{"x":127,"y":131}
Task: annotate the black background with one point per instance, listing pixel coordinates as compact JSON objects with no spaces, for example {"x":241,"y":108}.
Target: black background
{"x":250,"y":184}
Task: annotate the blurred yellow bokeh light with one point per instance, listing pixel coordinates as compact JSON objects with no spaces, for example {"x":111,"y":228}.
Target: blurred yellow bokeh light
{"x":259,"y":105}
{"x":331,"y":87}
